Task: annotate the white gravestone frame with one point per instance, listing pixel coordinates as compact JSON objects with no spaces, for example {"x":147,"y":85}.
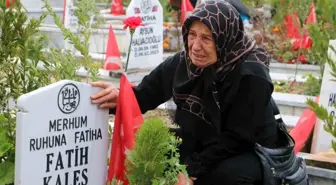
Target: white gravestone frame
{"x":322,"y":139}
{"x":63,"y":113}
{"x":147,"y":42}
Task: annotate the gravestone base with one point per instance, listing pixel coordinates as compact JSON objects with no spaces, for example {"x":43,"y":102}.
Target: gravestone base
{"x":321,"y":167}
{"x":326,"y":160}
{"x":321,"y":176}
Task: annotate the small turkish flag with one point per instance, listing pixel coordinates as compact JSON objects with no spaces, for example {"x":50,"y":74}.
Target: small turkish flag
{"x":303,"y":128}
{"x":112,"y":59}
{"x":128,"y":119}
{"x":186,"y":9}
{"x":9,"y":2}
{"x":312,"y":15}
{"x":117,"y":7}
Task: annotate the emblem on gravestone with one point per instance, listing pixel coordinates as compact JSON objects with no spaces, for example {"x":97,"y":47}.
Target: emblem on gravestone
{"x":68,"y":98}
{"x":146,"y":6}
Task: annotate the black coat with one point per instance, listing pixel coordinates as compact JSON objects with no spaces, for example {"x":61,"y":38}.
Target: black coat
{"x":246,"y":114}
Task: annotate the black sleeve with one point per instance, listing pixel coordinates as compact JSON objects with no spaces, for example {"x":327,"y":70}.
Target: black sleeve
{"x":245,"y":116}
{"x":156,"y":87}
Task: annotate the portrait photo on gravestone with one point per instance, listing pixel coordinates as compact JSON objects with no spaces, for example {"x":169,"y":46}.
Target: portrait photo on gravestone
{"x":65,"y":142}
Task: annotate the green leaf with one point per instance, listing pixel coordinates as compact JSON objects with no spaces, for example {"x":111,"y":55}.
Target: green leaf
{"x":320,"y":111}
{"x":333,"y":144}
{"x":7,"y":171}
{"x":5,"y":144}
{"x":2,"y":118}
{"x":148,"y":162}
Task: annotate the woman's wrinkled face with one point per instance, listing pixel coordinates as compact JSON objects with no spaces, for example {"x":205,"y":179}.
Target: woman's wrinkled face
{"x":201,"y":45}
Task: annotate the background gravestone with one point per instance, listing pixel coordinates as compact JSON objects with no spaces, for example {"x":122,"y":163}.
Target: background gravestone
{"x":147,"y":43}
{"x":321,"y":138}
{"x":69,"y":18}
{"x":61,"y":138}
{"x":34,"y":9}
{"x":38,"y":4}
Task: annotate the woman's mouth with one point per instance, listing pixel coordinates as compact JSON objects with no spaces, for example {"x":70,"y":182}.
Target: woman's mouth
{"x":199,"y":60}
{"x":198,"y":56}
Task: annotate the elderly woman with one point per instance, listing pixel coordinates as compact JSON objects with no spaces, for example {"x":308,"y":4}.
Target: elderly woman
{"x":221,"y":85}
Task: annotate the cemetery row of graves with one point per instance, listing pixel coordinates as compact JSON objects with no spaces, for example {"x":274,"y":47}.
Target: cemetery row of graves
{"x":72,"y":41}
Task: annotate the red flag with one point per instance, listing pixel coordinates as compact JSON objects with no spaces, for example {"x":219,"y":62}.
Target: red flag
{"x":306,"y":40}
{"x":9,"y":2}
{"x":293,"y":25}
{"x":117,"y":8}
{"x":64,"y":9}
{"x":186,"y":9}
{"x":303,"y":128}
{"x":127,"y":121}
{"x":312,"y":15}
{"x":112,"y":59}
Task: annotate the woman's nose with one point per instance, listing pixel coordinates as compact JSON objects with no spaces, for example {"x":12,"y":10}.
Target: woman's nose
{"x":197,"y":44}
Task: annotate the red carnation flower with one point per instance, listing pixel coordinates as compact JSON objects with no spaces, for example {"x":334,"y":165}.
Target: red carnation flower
{"x":132,"y":22}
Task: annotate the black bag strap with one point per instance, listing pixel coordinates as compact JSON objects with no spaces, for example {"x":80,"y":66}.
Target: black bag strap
{"x":277,"y":115}
{"x":276,"y":110}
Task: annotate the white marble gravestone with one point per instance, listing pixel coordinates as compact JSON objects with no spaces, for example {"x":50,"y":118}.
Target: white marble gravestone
{"x":61,"y":138}
{"x":322,"y":139}
{"x":69,"y":18}
{"x":38,"y":4}
{"x":147,"y":42}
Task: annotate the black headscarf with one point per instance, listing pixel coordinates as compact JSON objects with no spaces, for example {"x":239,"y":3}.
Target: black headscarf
{"x":195,"y":89}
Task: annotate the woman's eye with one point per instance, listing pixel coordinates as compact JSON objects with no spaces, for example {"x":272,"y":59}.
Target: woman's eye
{"x":192,"y":34}
{"x":207,"y":39}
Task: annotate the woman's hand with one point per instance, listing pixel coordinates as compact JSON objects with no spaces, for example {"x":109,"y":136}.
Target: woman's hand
{"x":106,"y":98}
{"x":182,"y":180}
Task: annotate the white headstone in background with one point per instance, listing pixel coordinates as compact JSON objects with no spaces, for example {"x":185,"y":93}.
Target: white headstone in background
{"x":322,"y":139}
{"x":61,"y":138}
{"x":147,"y":44}
{"x":71,"y":21}
{"x":69,"y":18}
{"x":38,"y":4}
